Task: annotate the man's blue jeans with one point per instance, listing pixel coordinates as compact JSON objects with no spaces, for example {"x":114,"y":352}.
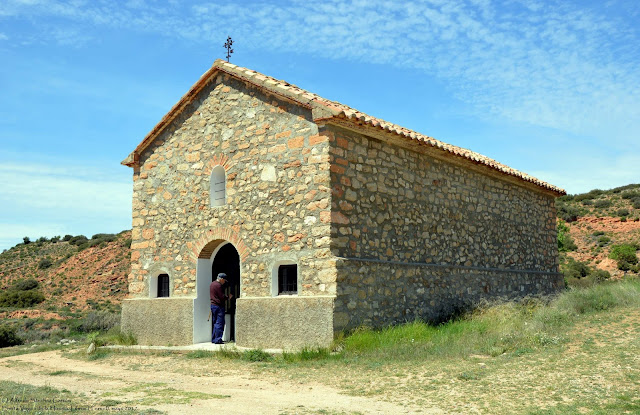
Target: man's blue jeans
{"x":217,"y":316}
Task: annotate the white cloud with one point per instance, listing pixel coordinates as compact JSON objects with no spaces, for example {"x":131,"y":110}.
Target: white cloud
{"x":45,"y":199}
{"x":547,"y":63}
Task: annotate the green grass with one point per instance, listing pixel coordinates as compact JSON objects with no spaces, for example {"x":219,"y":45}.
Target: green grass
{"x":492,"y":329}
{"x":575,"y":353}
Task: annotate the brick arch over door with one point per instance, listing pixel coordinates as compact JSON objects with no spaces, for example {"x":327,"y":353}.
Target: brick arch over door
{"x":209,"y":240}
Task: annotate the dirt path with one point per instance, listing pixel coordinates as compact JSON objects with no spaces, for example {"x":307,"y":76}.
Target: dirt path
{"x":139,"y":381}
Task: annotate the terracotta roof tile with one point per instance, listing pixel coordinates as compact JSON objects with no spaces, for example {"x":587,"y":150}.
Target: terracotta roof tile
{"x":337,"y":111}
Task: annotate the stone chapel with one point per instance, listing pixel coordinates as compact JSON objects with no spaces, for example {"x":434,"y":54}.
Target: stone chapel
{"x":324,"y":219}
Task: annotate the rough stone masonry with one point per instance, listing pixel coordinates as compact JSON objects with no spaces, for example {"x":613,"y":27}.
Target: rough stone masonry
{"x":382,"y":230}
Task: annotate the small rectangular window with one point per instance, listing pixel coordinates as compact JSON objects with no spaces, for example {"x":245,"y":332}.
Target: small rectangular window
{"x":287,"y":279}
{"x":163,"y":285}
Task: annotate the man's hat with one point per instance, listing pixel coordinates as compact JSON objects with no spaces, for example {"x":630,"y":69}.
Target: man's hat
{"x":222,"y":275}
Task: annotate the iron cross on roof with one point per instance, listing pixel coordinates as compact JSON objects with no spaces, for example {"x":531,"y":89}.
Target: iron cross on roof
{"x":228,"y":45}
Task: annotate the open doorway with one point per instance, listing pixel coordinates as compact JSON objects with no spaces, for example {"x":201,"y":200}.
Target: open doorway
{"x":227,"y":260}
{"x":217,"y":256}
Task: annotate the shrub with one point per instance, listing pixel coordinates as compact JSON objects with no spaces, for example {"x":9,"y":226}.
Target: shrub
{"x":25,"y":285}
{"x":45,"y":263}
{"x":568,"y":213}
{"x":565,"y":241}
{"x":99,"y":321}
{"x":587,"y":196}
{"x":603,"y":240}
{"x":67,"y":238}
{"x":600,"y":275}
{"x":26,"y":240}
{"x":630,"y":195}
{"x":20,"y":299}
{"x":602,"y":204}
{"x":8,"y":336}
{"x":625,"y":187}
{"x":622,"y":212}
{"x":104,"y":237}
{"x":581,"y":197}
{"x":78,"y":240}
{"x":625,"y":266}
{"x":576,"y":269}
{"x":21,"y":294}
{"x":624,"y":252}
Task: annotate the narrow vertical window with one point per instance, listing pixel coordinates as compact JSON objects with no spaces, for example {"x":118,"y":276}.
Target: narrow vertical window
{"x":163,"y":285}
{"x":218,"y":186}
{"x":287,"y":279}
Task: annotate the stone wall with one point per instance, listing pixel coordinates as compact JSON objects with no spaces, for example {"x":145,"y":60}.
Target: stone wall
{"x":159,"y":322}
{"x":286,"y":322}
{"x":434,"y":235}
{"x":277,"y":192}
{"x":377,"y":294}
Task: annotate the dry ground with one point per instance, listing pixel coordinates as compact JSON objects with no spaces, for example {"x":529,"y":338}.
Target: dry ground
{"x":177,"y":385}
{"x":595,"y":370}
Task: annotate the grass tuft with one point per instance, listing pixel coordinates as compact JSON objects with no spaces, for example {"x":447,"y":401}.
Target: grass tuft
{"x":491,"y":329}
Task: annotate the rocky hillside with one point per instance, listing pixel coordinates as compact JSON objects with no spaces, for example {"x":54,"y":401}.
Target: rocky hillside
{"x":599,"y":223}
{"x":75,"y":273}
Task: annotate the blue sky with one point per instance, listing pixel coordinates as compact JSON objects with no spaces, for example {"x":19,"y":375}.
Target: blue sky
{"x":551,"y":88}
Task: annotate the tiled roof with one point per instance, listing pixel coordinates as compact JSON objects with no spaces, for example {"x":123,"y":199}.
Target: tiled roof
{"x":328,"y":111}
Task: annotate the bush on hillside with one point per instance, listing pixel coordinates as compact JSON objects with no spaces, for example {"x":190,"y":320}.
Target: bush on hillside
{"x":630,"y":195}
{"x":568,"y":213}
{"x":25,"y":285}
{"x":600,"y":275}
{"x":22,"y":294}
{"x":602,"y":204}
{"x":565,"y":241}
{"x":622,"y":212}
{"x":109,"y":237}
{"x":625,"y":187}
{"x":624,"y":252}
{"x":576,"y":269}
{"x":8,"y":336}
{"x":78,"y":240}
{"x":20,"y":299}
{"x":45,"y":263}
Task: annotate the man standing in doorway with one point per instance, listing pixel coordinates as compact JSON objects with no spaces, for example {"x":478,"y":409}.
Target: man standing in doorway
{"x":216,"y":293}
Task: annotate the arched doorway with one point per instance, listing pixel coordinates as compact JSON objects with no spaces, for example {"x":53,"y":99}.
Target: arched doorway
{"x":227,"y":260}
{"x":217,"y":256}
